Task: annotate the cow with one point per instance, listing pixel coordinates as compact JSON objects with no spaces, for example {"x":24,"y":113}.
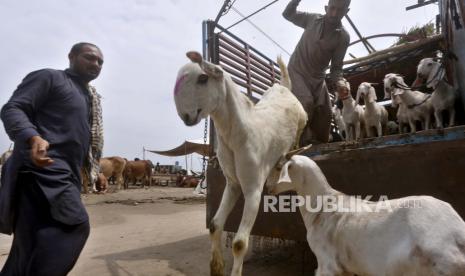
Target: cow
{"x":101,"y":184}
{"x":113,"y":167}
{"x":138,"y":170}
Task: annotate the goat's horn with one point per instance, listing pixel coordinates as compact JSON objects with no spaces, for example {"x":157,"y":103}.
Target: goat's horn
{"x":297,"y":151}
{"x":374,"y":83}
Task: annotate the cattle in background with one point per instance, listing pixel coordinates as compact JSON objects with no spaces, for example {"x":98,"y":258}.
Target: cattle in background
{"x":113,"y":167}
{"x":188,"y":181}
{"x":101,"y":184}
{"x":138,"y":170}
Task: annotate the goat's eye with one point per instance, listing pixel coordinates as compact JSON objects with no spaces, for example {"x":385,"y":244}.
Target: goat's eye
{"x":202,"y":79}
{"x":430,"y":64}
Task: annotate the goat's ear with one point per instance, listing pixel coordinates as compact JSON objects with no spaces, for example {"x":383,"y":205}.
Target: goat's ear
{"x":212,"y":70}
{"x":434,"y":76}
{"x":398,"y":91}
{"x":357,"y":99}
{"x":387,"y":92}
{"x":373,"y":93}
{"x":195,"y":57}
{"x":284,"y":174}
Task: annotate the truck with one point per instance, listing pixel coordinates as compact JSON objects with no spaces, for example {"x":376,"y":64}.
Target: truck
{"x":428,"y":162}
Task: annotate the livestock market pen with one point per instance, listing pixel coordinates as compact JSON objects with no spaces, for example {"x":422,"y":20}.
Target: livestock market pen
{"x":428,"y":162}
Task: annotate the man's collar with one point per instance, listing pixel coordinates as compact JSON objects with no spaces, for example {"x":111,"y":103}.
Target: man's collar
{"x":71,"y":73}
{"x":75,"y":76}
{"x":338,"y":27}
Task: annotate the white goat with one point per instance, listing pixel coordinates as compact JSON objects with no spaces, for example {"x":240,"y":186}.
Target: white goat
{"x":443,"y":97}
{"x":373,"y":238}
{"x":375,"y":115}
{"x":251,"y":141}
{"x":402,"y":113}
{"x":418,"y":104}
{"x":352,"y":113}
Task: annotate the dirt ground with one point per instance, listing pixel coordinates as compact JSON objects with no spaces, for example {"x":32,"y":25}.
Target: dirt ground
{"x":161,"y":232}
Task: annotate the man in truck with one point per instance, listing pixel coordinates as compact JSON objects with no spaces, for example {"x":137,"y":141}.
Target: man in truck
{"x":323,"y":42}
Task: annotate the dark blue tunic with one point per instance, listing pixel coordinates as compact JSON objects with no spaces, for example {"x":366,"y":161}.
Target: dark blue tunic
{"x":55,"y":105}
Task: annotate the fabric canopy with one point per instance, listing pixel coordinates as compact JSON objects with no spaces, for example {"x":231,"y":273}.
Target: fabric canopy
{"x":188,"y":147}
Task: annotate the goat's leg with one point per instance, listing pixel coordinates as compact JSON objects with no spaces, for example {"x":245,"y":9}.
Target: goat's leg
{"x":231,"y":193}
{"x":427,"y":121}
{"x":241,"y":241}
{"x":379,"y":128}
{"x":413,"y":126}
{"x":451,"y":117}
{"x":357,"y":131}
{"x":348,"y":133}
{"x":367,"y":130}
{"x":438,"y":117}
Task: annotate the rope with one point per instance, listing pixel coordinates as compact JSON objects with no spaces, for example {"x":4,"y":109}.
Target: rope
{"x":260,"y":30}
{"x":420,"y":103}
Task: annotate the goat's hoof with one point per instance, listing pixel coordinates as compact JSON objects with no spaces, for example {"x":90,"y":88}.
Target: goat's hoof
{"x":216,"y":267}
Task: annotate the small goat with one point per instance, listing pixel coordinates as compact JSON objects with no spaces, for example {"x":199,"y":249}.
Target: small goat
{"x":373,"y":238}
{"x":432,"y":73}
{"x":418,"y":104}
{"x":252,"y":139}
{"x":352,"y":113}
{"x":375,"y":115}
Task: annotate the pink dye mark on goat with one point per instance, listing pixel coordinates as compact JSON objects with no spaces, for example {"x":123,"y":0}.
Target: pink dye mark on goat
{"x":179,"y":83}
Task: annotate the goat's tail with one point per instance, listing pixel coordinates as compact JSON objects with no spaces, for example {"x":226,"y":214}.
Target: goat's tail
{"x":285,"y":80}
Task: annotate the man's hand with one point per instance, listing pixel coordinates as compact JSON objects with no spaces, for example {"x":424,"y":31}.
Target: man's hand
{"x":39,"y":149}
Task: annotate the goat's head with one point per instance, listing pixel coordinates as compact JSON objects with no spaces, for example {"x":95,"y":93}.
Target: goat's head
{"x":199,"y":89}
{"x":277,"y":171}
{"x":392,"y":82}
{"x":292,"y":175}
{"x":343,"y":89}
{"x":388,"y":81}
{"x":367,"y":91}
{"x":430,"y":71}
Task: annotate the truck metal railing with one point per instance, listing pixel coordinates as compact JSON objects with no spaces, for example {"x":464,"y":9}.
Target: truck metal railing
{"x":249,"y":68}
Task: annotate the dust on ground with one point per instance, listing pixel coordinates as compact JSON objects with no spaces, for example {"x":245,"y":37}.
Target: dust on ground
{"x":161,"y":231}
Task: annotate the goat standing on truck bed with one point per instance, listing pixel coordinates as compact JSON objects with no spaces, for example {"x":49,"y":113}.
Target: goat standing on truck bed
{"x":251,"y":141}
{"x":418,"y":235}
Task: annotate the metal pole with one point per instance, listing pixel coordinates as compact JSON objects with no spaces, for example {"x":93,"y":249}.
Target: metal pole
{"x":252,"y":14}
{"x":421,"y":3}
{"x":223,"y":8}
{"x":365,"y":42}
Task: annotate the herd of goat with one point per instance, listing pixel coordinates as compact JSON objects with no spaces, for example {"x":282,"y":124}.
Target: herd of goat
{"x":355,"y":121}
{"x":256,"y":144}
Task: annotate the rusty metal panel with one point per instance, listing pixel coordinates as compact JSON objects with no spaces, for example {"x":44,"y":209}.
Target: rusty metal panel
{"x":426,"y":165}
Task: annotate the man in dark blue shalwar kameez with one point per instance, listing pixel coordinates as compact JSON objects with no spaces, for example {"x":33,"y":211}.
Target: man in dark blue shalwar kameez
{"x":50,"y":117}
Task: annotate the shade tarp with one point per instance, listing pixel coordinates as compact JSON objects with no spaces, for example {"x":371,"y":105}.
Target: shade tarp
{"x":188,"y":147}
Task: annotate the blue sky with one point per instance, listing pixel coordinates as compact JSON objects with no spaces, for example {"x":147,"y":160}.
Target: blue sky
{"x":144,"y":44}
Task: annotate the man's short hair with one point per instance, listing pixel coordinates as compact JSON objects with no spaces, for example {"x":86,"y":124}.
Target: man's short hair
{"x":77,"y":48}
{"x":346,"y":2}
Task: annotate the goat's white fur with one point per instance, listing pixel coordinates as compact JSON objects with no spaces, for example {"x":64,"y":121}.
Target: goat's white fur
{"x":375,"y":115}
{"x":443,"y":97}
{"x":426,"y":240}
{"x":251,"y":141}
{"x":352,"y":113}
{"x":417,"y":105}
